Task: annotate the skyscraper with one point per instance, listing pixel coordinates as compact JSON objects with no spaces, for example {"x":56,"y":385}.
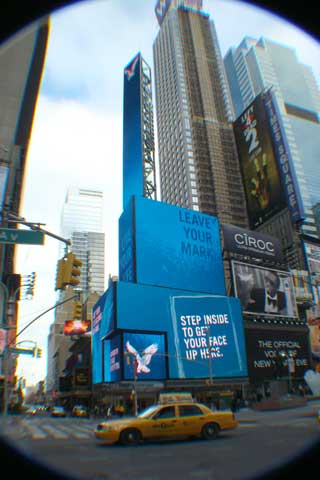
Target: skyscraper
{"x":21,"y":65}
{"x":197,"y":154}
{"x":82,"y":223}
{"x":256,"y":65}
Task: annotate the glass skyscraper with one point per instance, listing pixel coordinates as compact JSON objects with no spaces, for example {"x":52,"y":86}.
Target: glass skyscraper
{"x":198,"y":160}
{"x":82,"y":223}
{"x":256,"y":65}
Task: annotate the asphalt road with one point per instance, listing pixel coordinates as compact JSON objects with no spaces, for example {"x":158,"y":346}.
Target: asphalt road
{"x":264,"y":440}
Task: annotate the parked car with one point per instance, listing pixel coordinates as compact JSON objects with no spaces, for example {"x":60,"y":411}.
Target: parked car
{"x":80,"y":411}
{"x":58,"y":412}
{"x":31,"y":411}
{"x":180,"y":419}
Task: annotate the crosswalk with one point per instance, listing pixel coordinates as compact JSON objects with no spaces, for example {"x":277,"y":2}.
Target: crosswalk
{"x":51,"y":430}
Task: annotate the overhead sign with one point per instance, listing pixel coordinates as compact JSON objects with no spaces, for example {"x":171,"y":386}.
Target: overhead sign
{"x":13,"y":235}
{"x":253,"y":244}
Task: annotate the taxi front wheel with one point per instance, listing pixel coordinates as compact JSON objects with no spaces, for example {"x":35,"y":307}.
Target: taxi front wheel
{"x":210,"y":431}
{"x":130,"y":436}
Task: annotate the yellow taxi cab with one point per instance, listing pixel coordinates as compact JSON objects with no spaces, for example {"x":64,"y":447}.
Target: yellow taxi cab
{"x":174,"y":416}
{"x":80,"y":411}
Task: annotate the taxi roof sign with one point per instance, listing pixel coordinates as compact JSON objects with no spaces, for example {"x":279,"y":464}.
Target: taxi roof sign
{"x":165,"y":398}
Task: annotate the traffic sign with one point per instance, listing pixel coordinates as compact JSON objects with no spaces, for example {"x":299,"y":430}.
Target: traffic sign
{"x":14,"y":235}
{"x":22,"y":351}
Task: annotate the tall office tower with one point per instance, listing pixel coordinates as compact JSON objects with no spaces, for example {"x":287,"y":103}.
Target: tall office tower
{"x":82,"y":223}
{"x":21,"y":66}
{"x":197,"y":153}
{"x":256,"y":65}
{"x":139,"y":172}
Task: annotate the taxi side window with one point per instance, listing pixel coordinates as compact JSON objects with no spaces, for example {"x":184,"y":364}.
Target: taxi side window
{"x":189,"y":410}
{"x":166,"y":412}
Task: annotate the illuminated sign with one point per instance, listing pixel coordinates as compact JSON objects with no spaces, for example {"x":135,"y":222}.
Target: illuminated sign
{"x":261,"y":179}
{"x":264,"y":349}
{"x":76,"y":327}
{"x":251,"y":243}
{"x":170,"y":246}
{"x":264,"y":290}
{"x":283,"y":156}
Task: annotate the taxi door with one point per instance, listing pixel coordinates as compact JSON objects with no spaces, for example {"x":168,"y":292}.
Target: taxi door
{"x":164,"y":423}
{"x":191,"y":419}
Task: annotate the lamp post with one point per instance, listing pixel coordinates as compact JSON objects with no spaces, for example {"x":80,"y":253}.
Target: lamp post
{"x":291,"y":367}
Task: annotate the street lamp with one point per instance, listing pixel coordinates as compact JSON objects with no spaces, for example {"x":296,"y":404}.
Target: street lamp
{"x":291,"y":366}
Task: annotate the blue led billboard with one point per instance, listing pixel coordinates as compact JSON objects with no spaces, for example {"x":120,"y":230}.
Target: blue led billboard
{"x":112,"y":359}
{"x":102,"y":321}
{"x":127,"y":269}
{"x":144,"y":355}
{"x":147,"y":308}
{"x":132,"y":136}
{"x":172,"y":247}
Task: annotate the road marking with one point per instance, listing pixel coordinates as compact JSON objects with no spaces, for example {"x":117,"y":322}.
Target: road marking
{"x":71,"y":431}
{"x":248,"y":425}
{"x":36,"y":432}
{"x":56,"y":433}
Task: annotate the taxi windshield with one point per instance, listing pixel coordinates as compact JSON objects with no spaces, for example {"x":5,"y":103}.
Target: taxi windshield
{"x":147,"y":412}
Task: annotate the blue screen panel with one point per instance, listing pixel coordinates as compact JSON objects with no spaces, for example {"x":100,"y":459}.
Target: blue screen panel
{"x":112,"y":359}
{"x":142,"y":307}
{"x":144,"y":354}
{"x":132,"y":145}
{"x":177,"y":248}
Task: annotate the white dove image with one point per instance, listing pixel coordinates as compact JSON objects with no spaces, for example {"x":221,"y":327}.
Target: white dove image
{"x":145,"y":358}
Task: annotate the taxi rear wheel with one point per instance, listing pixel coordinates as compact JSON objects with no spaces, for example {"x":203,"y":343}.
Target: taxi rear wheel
{"x":210,"y":431}
{"x":130,"y":436}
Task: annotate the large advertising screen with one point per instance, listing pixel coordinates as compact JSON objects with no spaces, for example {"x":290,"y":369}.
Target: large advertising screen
{"x":112,"y":356}
{"x":103,"y":318}
{"x":132,"y":135}
{"x":268,"y":351}
{"x":76,"y":327}
{"x":177,"y":248}
{"x":207,"y":337}
{"x":264,"y":290}
{"x":145,"y":356}
{"x":259,"y":168}
{"x":212,"y":328}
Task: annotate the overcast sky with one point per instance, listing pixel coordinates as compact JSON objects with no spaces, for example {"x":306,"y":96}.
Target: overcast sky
{"x":77,"y":132}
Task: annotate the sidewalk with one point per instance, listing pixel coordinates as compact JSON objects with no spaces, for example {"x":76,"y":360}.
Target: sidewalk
{"x":247,"y":414}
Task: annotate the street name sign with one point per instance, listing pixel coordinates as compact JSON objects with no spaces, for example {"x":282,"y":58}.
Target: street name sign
{"x":22,"y":351}
{"x":13,"y":235}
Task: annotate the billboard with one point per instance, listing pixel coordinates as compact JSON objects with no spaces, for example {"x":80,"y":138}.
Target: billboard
{"x":76,"y":327}
{"x":264,"y":290}
{"x":184,"y":335}
{"x":283,"y":157}
{"x":264,"y":348}
{"x":173,"y":247}
{"x":253,"y":244}
{"x":112,"y":358}
{"x":207,"y":335}
{"x":261,"y":179}
{"x":127,"y":265}
{"x":103,"y":318}
{"x":145,"y":356}
{"x":132,"y":136}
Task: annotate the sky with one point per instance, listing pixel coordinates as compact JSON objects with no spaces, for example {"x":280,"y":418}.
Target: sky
{"x":77,"y":131}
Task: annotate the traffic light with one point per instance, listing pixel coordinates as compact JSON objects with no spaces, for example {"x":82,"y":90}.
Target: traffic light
{"x":72,"y":270}
{"x":68,"y":271}
{"x":37,"y":352}
{"x":60,"y":275}
{"x":77,"y":310}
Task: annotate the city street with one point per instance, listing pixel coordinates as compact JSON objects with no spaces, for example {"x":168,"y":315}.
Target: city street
{"x":263,"y":440}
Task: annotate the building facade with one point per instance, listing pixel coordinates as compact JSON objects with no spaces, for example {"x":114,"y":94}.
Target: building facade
{"x":197,"y":152}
